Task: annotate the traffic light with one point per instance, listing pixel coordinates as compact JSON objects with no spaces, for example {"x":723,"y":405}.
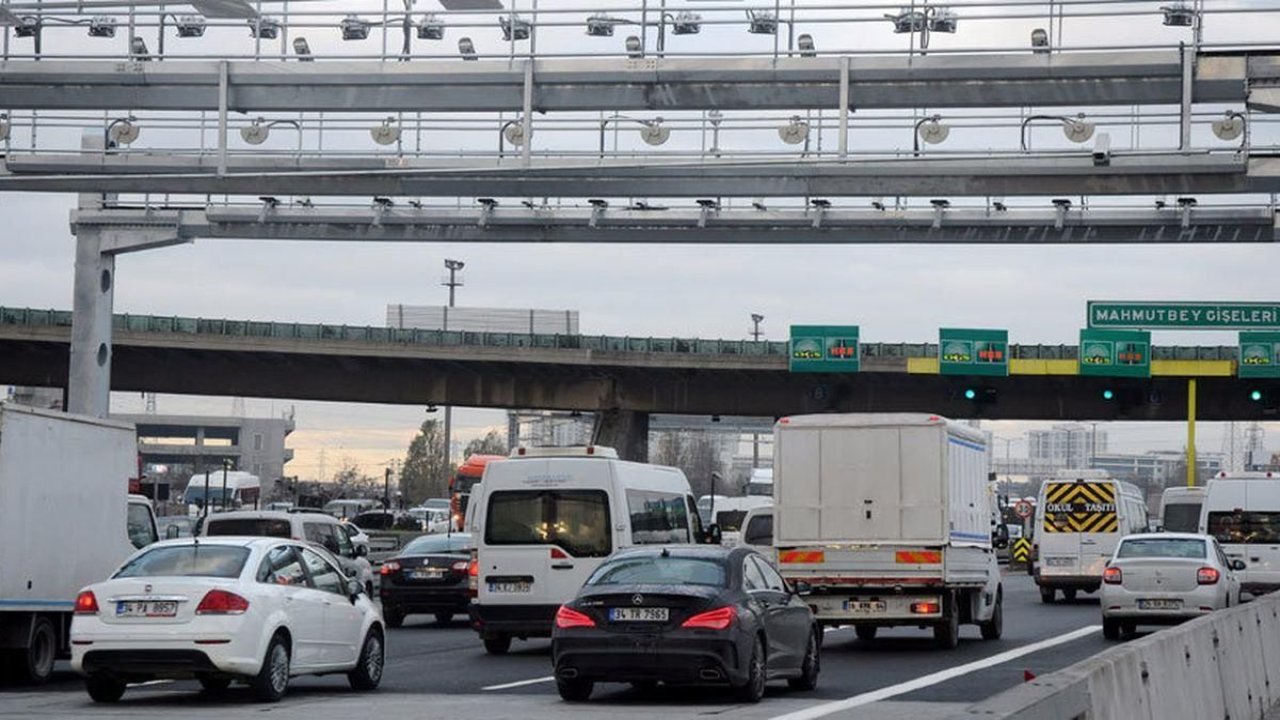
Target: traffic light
{"x":980,"y":394}
{"x":1108,"y":394}
{"x":1123,"y":399}
{"x":1257,"y":395}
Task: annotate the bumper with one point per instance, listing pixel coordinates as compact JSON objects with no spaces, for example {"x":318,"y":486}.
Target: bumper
{"x":1122,"y":604}
{"x":222,"y":645}
{"x":882,"y":609}
{"x":523,"y":621}
{"x":686,"y":658}
{"x":419,"y":600}
{"x":1088,"y":583}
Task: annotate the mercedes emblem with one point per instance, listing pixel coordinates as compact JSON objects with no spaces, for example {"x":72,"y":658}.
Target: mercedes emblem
{"x":637,"y":599}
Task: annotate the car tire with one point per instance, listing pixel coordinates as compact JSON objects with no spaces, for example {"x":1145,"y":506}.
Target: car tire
{"x":498,"y":645}
{"x":1046,"y":595}
{"x":272,"y":681}
{"x":444,"y":618}
{"x":865,"y":633}
{"x":1110,"y":629}
{"x":994,"y":628}
{"x":752,"y":689}
{"x":946,"y":634}
{"x":574,"y":690}
{"x":104,"y":688}
{"x":214,"y":683}
{"x":367,"y":673}
{"x":392,"y":616}
{"x":35,"y":663}
{"x":1069,"y":594}
{"x":1128,"y":629}
{"x":810,"y":667}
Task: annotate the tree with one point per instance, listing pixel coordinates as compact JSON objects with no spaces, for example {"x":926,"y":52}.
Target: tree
{"x":424,"y":475}
{"x":491,"y":444}
{"x":695,"y":454}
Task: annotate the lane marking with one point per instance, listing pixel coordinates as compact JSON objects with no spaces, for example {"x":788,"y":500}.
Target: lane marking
{"x":925,"y":681}
{"x":520,"y":683}
{"x":150,"y":683}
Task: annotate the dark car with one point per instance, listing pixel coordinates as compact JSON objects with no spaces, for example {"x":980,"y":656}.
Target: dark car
{"x":428,"y":576}
{"x":686,"y":615}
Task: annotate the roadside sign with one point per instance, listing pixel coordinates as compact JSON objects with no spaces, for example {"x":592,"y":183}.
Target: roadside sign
{"x":1115,"y":353}
{"x":1024,"y":509}
{"x":1183,"y":316}
{"x":1259,"y":355}
{"x":963,"y":351}
{"x":824,"y":348}
{"x":1021,"y":551}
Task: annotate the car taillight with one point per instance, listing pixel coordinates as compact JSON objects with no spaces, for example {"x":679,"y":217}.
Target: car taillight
{"x":389,"y":567}
{"x":1207,"y":576}
{"x":473,"y":576}
{"x":717,"y":619}
{"x":567,"y":617}
{"x":86,"y":603}
{"x":222,"y":602}
{"x":1112,"y":576}
{"x":462,"y":566}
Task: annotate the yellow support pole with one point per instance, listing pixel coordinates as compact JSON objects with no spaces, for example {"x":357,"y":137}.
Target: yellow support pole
{"x":1191,"y":432}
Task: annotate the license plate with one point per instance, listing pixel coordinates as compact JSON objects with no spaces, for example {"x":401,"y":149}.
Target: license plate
{"x":146,"y":608}
{"x":509,"y":587}
{"x":427,"y":574}
{"x":1060,"y":562}
{"x":638,"y":614}
{"x":1159,"y":604}
{"x":865,"y":607}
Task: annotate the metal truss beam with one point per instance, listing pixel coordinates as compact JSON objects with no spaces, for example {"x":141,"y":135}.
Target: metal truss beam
{"x":935,"y":81}
{"x":1074,"y":174}
{"x":708,"y":225}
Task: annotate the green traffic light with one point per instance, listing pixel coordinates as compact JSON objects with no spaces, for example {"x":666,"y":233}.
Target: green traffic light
{"x":970,"y":394}
{"x":1256,"y":395}
{"x":1108,"y":395}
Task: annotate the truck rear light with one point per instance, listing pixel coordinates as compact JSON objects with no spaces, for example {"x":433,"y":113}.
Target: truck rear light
{"x":222,"y":602}
{"x":1207,"y":576}
{"x":1112,"y":576}
{"x":717,"y":619}
{"x":567,"y":617}
{"x":926,"y":608}
{"x":389,"y":567}
{"x":86,"y":603}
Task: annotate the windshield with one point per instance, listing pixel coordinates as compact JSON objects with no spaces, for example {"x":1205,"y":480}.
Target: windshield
{"x":195,"y":494}
{"x":730,"y":520}
{"x":1162,"y":548}
{"x":1248,"y":528}
{"x":187,"y":561}
{"x":428,"y":544}
{"x":1181,"y":518}
{"x":576,"y":520}
{"x":257,"y":527}
{"x":659,"y":570}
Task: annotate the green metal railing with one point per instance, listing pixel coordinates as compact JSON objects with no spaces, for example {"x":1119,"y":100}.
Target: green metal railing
{"x":454,"y":338}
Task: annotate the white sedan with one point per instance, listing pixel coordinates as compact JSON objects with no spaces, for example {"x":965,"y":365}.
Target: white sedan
{"x":255,"y":610}
{"x":1165,"y":578}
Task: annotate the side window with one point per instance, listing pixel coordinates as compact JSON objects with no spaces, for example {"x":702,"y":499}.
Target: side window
{"x":695,"y":520}
{"x":345,"y":548}
{"x":311,"y":531}
{"x":281,"y":566}
{"x":141,"y":530}
{"x":751,"y":577}
{"x":771,"y":577}
{"x":657,"y":517}
{"x":323,"y":535}
{"x":323,"y":575}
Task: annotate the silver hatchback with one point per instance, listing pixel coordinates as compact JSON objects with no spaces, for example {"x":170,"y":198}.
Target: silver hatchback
{"x":1163,"y":579}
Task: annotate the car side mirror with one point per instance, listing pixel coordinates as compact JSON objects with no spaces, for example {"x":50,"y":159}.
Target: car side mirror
{"x":354,"y":589}
{"x":361,"y":551}
{"x":801,"y":588}
{"x":1238,"y":565}
{"x":712,"y":535}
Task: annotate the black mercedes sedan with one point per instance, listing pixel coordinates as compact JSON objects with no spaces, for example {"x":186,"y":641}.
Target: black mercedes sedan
{"x":686,"y":615}
{"x":428,"y":576}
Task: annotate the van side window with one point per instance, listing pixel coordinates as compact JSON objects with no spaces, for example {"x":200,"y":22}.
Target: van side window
{"x":657,"y":517}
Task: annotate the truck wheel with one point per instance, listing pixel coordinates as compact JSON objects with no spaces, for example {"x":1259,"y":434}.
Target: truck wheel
{"x":994,"y":628}
{"x":499,"y":645}
{"x":35,"y":663}
{"x":1046,"y":595}
{"x":865,"y":633}
{"x":947,"y":634}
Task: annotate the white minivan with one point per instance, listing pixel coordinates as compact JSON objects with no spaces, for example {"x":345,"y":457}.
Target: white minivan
{"x":548,"y":517}
{"x":1180,"y":509}
{"x":1080,"y":517}
{"x":1242,"y":510}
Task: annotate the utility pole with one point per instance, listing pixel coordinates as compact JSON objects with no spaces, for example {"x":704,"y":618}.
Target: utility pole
{"x":755,"y":319}
{"x":755,"y":437}
{"x":453,"y":266}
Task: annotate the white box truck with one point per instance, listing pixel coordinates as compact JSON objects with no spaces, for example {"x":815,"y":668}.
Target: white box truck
{"x":886,"y":517}
{"x":68,"y":521}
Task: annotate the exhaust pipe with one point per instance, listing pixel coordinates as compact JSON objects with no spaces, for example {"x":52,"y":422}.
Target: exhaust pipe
{"x":709,"y":674}
{"x":569,"y":673}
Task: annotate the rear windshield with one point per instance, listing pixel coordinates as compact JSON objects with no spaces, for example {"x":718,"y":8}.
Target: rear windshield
{"x":575,"y":520}
{"x":730,"y":520}
{"x":1248,"y":528}
{"x":187,"y":561}
{"x":255,"y":527}
{"x":760,"y":531}
{"x":1161,"y":548}
{"x":658,"y":570}
{"x":1181,"y":518}
{"x":442,"y":543}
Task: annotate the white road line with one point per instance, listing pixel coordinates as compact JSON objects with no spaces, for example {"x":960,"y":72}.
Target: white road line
{"x":867,"y":698}
{"x":520,"y":683}
{"x":150,"y":683}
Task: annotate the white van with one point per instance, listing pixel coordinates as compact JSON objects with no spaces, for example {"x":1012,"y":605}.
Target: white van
{"x":1180,"y":509}
{"x":1242,"y":510}
{"x":550,"y":516}
{"x":230,"y":490}
{"x":1080,"y":517}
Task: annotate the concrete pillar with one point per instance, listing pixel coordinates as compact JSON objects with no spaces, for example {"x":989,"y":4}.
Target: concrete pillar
{"x":89,"y":384}
{"x":626,"y":431}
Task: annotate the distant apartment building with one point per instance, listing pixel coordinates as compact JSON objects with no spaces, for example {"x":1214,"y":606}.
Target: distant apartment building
{"x":1158,"y":468}
{"x":1066,"y":446}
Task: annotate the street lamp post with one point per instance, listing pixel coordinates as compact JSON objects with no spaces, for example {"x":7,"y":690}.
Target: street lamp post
{"x":453,"y":266}
{"x":386,"y":490}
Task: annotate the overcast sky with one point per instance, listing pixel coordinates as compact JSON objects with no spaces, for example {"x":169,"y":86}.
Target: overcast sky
{"x":895,"y":293}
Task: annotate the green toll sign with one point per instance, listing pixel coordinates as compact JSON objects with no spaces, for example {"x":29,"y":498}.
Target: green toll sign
{"x":963,"y":351}
{"x":1259,"y":355}
{"x":1115,"y":353}
{"x":824,"y":348}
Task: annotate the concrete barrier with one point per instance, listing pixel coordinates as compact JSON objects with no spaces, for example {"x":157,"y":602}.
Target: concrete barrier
{"x":1224,"y":666}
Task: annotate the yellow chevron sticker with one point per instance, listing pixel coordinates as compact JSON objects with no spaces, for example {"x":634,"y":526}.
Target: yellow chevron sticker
{"x":1080,"y":507}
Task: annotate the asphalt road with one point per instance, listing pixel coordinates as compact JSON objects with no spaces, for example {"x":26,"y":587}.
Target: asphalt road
{"x":446,"y":670}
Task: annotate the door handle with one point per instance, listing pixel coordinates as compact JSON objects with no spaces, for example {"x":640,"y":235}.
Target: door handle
{"x":562,"y":566}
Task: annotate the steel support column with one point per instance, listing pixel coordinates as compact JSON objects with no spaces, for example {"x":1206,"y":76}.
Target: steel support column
{"x":89,"y":384}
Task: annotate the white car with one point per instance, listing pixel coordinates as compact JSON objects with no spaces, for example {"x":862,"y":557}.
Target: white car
{"x":248,"y":609}
{"x":359,"y":538}
{"x":1165,"y":578}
